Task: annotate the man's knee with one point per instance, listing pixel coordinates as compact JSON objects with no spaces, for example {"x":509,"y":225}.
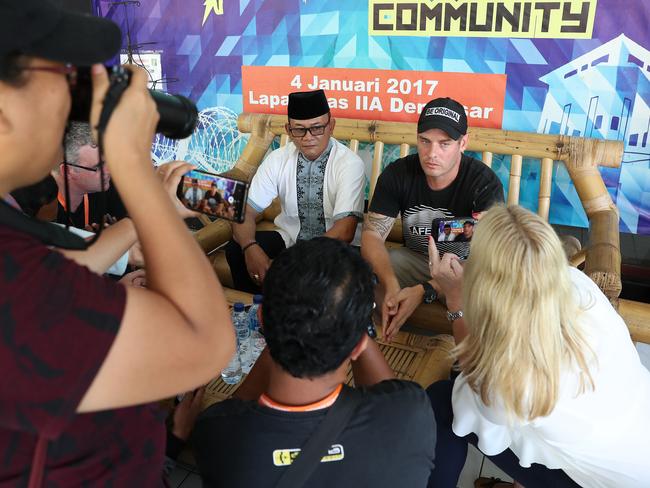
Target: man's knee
{"x":409,"y":267}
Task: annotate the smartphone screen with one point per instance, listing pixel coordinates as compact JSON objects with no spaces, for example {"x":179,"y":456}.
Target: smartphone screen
{"x":454,"y":235}
{"x":213,"y":195}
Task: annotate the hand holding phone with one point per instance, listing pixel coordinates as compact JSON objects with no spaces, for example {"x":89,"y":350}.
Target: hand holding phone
{"x":171,"y":175}
{"x":213,"y":195}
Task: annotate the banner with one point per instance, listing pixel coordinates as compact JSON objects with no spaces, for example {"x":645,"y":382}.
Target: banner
{"x":375,"y":94}
{"x":570,"y":67}
{"x":566,"y":19}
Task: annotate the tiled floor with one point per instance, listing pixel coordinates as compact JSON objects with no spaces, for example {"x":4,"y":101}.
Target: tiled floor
{"x":184,"y":476}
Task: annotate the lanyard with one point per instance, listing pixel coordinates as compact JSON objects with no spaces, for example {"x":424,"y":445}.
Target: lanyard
{"x":86,"y":207}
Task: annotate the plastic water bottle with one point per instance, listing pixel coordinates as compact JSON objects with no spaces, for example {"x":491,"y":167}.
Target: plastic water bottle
{"x":240,"y":321}
{"x":232,"y":373}
{"x":257,"y":338}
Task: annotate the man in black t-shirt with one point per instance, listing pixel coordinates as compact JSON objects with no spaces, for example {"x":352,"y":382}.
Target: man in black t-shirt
{"x":318,"y":301}
{"x":91,"y":199}
{"x":439,"y":182}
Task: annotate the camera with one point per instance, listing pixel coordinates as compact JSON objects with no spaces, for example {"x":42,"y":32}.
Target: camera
{"x":178,"y":114}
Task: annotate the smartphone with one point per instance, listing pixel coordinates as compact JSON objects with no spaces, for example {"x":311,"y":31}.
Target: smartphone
{"x":454,"y":235}
{"x":214,"y":195}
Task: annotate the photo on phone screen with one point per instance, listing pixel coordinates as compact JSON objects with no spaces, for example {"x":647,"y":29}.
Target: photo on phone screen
{"x":455,"y":230}
{"x":213,"y":195}
{"x":454,"y":235}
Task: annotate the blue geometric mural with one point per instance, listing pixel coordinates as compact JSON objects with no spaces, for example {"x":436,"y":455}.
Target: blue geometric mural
{"x":595,"y":87}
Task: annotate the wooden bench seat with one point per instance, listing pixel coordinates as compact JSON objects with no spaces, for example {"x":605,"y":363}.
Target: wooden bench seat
{"x":601,"y":256}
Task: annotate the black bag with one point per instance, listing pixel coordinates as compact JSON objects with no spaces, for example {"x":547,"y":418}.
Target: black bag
{"x":329,"y":429}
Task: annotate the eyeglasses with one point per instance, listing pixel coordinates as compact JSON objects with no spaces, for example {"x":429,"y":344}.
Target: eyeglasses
{"x":94,"y":169}
{"x":69,"y":70}
{"x":315,"y":130}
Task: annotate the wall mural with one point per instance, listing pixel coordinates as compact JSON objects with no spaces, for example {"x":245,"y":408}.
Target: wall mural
{"x":570,"y":67}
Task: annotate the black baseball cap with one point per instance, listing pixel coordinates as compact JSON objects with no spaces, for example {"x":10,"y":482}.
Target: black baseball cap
{"x":41,"y":28}
{"x":307,"y":105}
{"x":444,"y":114}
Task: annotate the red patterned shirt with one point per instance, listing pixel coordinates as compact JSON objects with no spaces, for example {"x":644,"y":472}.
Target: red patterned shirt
{"x":57,"y":323}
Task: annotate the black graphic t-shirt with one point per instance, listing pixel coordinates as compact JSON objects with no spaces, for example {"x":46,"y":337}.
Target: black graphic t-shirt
{"x":402,"y":188}
{"x":389,"y":442}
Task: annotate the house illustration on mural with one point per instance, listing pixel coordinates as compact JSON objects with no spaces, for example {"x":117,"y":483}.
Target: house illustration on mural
{"x":604,"y":93}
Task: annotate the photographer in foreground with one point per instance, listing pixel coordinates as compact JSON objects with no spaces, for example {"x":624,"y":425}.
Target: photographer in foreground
{"x":79,"y":352}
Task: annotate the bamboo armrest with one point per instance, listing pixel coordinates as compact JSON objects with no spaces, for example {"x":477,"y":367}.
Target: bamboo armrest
{"x":603,"y":258}
{"x":637,"y":318}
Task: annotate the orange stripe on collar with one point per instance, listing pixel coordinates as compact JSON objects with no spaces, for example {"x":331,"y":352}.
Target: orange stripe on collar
{"x":328,"y":401}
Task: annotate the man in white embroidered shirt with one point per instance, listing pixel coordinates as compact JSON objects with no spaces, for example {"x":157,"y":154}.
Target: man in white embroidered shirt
{"x":320,"y":184}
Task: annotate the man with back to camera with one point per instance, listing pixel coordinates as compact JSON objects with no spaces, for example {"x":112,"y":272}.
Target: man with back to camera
{"x":439,"y":182}
{"x":320,"y":184}
{"x":318,"y":301}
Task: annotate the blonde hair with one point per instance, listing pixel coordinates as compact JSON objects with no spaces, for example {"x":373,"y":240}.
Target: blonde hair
{"x":520,"y":311}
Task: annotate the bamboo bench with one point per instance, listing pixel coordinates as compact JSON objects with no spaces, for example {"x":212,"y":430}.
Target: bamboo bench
{"x":601,"y":257}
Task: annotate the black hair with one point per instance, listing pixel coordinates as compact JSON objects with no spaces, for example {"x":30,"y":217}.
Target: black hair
{"x":318,"y":300}
{"x":469,"y":222}
{"x":10,"y":64}
{"x":33,"y":197}
{"x":447,"y":226}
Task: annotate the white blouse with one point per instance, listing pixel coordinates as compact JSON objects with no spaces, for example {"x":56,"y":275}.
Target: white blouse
{"x":600,"y":438}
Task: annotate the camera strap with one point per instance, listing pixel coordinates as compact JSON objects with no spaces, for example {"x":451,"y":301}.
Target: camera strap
{"x":317,"y":446}
{"x":46,"y":232}
{"x":111,"y":99}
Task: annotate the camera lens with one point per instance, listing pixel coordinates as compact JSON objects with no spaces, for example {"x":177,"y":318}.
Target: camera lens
{"x":178,"y":115}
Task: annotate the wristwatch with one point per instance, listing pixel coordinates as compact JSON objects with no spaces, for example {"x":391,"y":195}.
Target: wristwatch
{"x":451,"y":316}
{"x":430,"y":293}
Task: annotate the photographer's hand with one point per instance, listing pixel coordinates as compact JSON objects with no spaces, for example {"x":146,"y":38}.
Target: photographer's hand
{"x":170,"y":175}
{"x":132,"y":124}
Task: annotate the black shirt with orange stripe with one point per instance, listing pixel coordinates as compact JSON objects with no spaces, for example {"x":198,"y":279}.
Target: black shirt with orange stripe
{"x":390,"y":440}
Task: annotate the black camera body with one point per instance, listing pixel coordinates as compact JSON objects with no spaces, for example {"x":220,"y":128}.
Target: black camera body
{"x":178,"y":114}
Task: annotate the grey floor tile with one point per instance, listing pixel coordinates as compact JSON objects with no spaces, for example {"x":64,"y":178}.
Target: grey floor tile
{"x":472,"y":468}
{"x":192,"y":481}
{"x":177,"y":477}
{"x":491,"y":471}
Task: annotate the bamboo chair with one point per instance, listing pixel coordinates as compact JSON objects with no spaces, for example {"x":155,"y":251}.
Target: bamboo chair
{"x":581,"y":156}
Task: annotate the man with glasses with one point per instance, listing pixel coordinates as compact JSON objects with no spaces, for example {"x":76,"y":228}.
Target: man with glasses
{"x":319,"y":182}
{"x":90,"y":198}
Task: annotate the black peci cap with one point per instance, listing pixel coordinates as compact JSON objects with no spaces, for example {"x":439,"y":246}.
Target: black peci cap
{"x":444,"y":114}
{"x":307,"y":105}
{"x":40,"y":28}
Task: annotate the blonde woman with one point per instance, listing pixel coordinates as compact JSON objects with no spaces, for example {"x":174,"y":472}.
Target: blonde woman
{"x":551,"y":387}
